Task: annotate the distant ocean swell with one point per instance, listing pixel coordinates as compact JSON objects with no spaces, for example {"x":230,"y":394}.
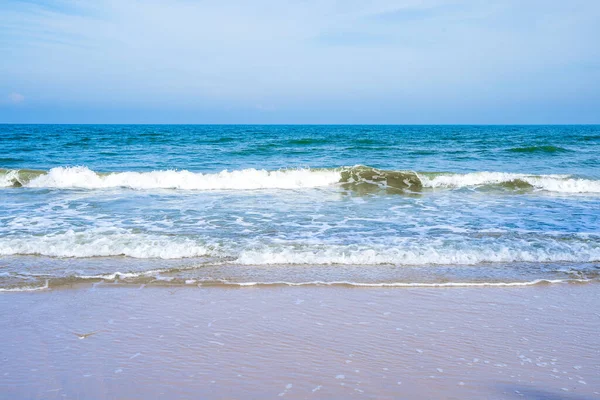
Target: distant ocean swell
{"x":359,"y":178}
{"x":549,"y":149}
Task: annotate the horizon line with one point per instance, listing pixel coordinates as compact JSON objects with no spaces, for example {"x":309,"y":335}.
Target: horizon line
{"x":300,"y":124}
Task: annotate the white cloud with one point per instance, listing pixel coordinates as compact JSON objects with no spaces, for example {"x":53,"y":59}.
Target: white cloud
{"x":16,"y":98}
{"x":265,"y":108}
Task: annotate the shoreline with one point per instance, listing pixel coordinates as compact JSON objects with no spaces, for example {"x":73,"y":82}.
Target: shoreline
{"x":301,"y":342}
{"x":88,"y":283}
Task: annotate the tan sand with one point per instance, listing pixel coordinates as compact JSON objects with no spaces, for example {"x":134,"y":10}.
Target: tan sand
{"x":538,"y":342}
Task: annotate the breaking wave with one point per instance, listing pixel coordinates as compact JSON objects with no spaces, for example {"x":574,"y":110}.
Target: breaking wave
{"x":426,"y":254}
{"x":84,"y":178}
{"x":26,"y":288}
{"x":550,"y":183}
{"x":358,"y":178}
{"x":101,"y":243}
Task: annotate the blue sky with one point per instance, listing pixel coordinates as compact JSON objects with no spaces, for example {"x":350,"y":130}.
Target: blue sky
{"x":301,"y":61}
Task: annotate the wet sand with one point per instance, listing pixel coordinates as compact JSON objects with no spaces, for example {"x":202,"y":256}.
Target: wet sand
{"x":538,"y":342}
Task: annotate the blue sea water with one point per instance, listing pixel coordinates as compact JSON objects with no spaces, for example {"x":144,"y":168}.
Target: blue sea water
{"x":244,"y":205}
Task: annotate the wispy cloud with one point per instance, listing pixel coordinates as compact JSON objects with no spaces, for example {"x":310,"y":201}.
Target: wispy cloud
{"x":265,"y":108}
{"x":349,"y":38}
{"x":420,"y":13}
{"x":15,"y":98}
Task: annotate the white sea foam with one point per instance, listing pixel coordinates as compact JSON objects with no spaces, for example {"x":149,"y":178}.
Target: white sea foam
{"x":25,"y":288}
{"x":320,"y":283}
{"x":100,"y":243}
{"x":247,"y":179}
{"x":551,"y":183}
{"x":121,"y":275}
{"x":405,"y":284}
{"x":425,"y":254}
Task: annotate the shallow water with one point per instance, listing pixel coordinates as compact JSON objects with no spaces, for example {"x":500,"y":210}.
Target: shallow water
{"x":366,"y":205}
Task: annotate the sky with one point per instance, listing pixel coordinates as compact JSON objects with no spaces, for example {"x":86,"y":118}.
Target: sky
{"x":300,"y":61}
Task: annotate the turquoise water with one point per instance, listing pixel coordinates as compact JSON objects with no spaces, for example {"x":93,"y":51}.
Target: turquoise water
{"x":368,"y":205}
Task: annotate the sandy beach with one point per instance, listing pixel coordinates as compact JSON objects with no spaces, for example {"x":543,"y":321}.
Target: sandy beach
{"x":536,"y":342}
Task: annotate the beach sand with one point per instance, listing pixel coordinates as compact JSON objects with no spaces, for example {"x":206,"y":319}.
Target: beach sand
{"x":538,"y":342}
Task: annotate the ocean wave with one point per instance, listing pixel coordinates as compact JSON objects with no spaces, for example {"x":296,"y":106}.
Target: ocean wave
{"x":308,"y":141}
{"x":362,"y":179}
{"x":17,"y":177}
{"x":426,"y":254}
{"x":538,"y":149}
{"x":83,"y":177}
{"x":100,"y":243}
{"x":146,"y":279}
{"x":26,"y":288}
{"x":120,"y":275}
{"x":534,"y":282}
{"x":121,"y":243}
{"x":550,"y":183}
{"x":226,"y":282}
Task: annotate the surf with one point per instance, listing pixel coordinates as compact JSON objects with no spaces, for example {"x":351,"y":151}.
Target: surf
{"x":359,"y":178}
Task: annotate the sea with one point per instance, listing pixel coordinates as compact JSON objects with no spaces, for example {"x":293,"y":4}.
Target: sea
{"x":252,"y":205}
